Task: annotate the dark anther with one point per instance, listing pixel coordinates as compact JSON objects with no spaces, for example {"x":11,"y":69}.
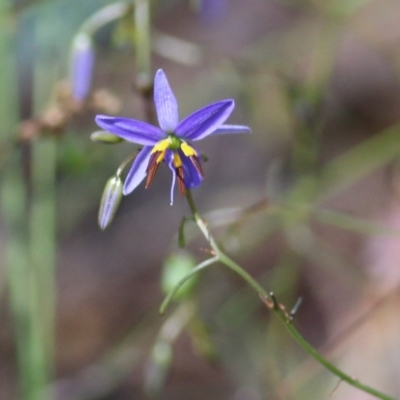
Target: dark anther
{"x":181,"y":181}
{"x":152,"y":168}
{"x":197,"y":164}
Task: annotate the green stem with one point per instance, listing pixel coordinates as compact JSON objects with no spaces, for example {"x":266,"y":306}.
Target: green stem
{"x":8,"y":93}
{"x":323,"y":361}
{"x":13,"y":206}
{"x":275,"y":306}
{"x":143,"y":42}
{"x":125,"y":163}
{"x":104,"y":16}
{"x":181,"y":234}
{"x":194,"y":271}
{"x":222,"y":257}
{"x":42,"y":253}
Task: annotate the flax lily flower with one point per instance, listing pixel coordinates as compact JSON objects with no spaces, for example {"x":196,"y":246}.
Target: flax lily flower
{"x":169,"y":143}
{"x":82,"y":64}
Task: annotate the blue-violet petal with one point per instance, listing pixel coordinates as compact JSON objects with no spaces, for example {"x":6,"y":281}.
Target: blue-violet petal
{"x":131,"y":130}
{"x":205,"y":121}
{"x":138,"y":170}
{"x":231,"y":129}
{"x":165,"y":102}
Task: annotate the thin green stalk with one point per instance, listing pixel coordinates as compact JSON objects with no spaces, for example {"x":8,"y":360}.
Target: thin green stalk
{"x":13,"y":208}
{"x":330,"y":367}
{"x":42,"y":255}
{"x":8,"y":93}
{"x":142,"y":40}
{"x":41,"y":230}
{"x":194,"y":271}
{"x":275,"y":306}
{"x":161,"y":356}
{"x":104,"y":16}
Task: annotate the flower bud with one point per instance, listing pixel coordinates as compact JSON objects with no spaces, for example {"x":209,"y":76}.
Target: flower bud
{"x":81,"y":65}
{"x":105,"y":137}
{"x":110,"y":201}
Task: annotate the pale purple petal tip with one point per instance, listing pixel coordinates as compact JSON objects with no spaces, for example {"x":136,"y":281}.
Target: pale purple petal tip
{"x":231,"y":129}
{"x":130,"y":129}
{"x":138,"y":170}
{"x":205,"y":121}
{"x":82,"y":66}
{"x":165,"y":102}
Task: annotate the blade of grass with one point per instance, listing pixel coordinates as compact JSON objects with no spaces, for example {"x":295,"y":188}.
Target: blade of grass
{"x":14,"y":207}
{"x":348,"y":168}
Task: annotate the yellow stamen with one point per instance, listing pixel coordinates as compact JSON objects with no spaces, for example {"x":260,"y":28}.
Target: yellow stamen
{"x":177,"y":161}
{"x":161,"y":148}
{"x":162,"y":145}
{"x":160,"y":157}
{"x":188,"y":151}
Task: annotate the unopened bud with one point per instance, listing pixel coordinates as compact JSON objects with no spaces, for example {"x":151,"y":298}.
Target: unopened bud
{"x":110,"y":201}
{"x":105,"y":137}
{"x":82,"y":65}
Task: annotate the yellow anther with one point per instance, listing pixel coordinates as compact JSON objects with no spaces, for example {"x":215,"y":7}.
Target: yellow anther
{"x":160,"y":157}
{"x":162,"y":145}
{"x":188,"y":151}
{"x":177,"y":161}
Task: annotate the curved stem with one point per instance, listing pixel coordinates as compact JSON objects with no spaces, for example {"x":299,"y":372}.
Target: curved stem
{"x":124,"y":164}
{"x":194,"y":271}
{"x":272,"y":304}
{"x":222,"y":257}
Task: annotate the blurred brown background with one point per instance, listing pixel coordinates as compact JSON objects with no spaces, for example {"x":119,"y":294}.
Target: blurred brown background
{"x":313,"y":80}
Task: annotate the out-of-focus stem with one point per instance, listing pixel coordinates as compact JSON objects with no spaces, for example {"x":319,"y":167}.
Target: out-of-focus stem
{"x":42,"y":253}
{"x":42,"y":235}
{"x":142,"y":41}
{"x":8,"y":92}
{"x":104,"y":16}
{"x":13,"y":208}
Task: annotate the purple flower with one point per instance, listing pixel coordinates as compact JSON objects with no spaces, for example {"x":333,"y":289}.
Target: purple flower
{"x":82,"y":66}
{"x":169,"y":142}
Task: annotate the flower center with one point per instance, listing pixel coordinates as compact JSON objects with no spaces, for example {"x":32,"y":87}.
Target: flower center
{"x":180,"y":149}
